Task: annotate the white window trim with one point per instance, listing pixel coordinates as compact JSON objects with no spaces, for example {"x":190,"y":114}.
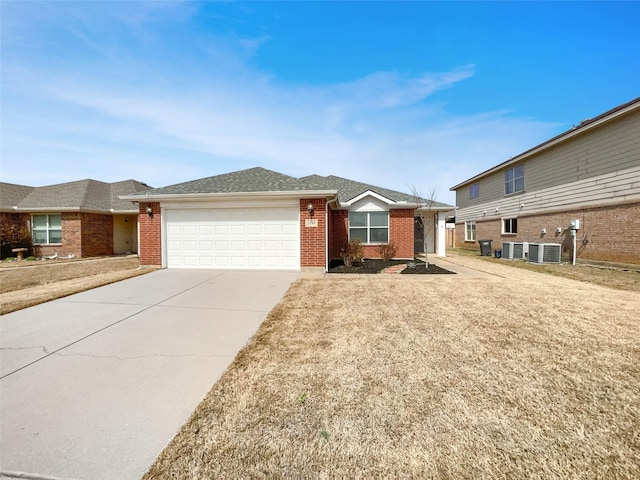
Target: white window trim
{"x":513,"y":180}
{"x":477,"y":190}
{"x":504,"y":230}
{"x":48,"y":228}
{"x":466,"y":231}
{"x":369,"y":227}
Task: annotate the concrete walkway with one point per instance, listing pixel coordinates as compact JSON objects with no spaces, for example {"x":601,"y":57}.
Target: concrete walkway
{"x":94,"y":385}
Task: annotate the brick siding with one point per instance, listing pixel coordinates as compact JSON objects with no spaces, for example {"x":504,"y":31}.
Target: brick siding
{"x":607,"y":233}
{"x":400,"y":232}
{"x":401,"y":229}
{"x":150,"y":248}
{"x":313,"y":239}
{"x":96,"y":235}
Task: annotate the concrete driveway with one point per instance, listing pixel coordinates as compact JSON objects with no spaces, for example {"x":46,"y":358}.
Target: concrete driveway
{"x":94,"y":385}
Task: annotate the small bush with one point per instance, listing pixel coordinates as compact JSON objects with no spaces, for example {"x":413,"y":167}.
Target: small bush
{"x":353,"y":252}
{"x":387,"y":251}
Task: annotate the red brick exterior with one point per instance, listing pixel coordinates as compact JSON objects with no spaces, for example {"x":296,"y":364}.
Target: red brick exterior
{"x":313,"y":239}
{"x":339,"y":232}
{"x":401,"y":227}
{"x":150,"y":248}
{"x":608,"y":234}
{"x":400,"y":232}
{"x":83,"y":235}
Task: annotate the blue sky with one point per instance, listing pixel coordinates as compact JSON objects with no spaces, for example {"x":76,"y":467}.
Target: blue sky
{"x":401,"y":95}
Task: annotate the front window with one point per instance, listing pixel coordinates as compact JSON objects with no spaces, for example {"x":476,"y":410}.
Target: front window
{"x":46,"y":229}
{"x":509,"y":225}
{"x":369,"y":227}
{"x":514,"y":180}
{"x":470,"y":231}
{"x":474,"y":190}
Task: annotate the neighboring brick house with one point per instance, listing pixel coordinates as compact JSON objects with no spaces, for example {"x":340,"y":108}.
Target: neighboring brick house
{"x":85,"y":218}
{"x":261,"y":219}
{"x":590,"y":173}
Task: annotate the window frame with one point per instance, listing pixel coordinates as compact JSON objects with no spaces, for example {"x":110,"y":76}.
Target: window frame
{"x":474,"y":190}
{"x":369,"y":226}
{"x":468,"y":230}
{"x":48,"y":228}
{"x":512,"y":223}
{"x":517,"y":180}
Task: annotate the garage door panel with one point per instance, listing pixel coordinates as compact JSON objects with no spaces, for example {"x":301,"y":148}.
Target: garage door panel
{"x":233,"y":238}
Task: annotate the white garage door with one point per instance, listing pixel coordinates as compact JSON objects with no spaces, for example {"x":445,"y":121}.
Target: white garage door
{"x":235,"y":238}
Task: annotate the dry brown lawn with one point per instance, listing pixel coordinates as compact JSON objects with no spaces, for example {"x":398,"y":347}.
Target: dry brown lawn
{"x":519,"y":375}
{"x":24,"y":284}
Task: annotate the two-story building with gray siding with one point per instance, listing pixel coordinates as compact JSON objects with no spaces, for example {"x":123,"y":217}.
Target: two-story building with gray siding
{"x":590,"y":173}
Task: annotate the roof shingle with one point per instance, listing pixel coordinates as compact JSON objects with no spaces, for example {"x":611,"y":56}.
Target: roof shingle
{"x":259,"y":179}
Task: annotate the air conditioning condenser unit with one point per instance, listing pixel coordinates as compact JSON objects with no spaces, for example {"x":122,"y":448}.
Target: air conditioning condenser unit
{"x":545,"y":252}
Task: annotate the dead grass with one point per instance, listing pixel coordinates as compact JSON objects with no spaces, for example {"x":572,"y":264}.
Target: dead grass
{"x":519,"y":376}
{"x":613,"y":276}
{"x":26,"y":284}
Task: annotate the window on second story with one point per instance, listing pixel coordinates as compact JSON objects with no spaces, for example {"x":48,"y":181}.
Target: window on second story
{"x":514,"y":180}
{"x":474,"y":190}
{"x":509,"y":225}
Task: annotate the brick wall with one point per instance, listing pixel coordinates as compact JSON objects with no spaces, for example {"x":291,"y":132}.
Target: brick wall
{"x":401,"y":229}
{"x":313,"y":239}
{"x":150,"y":248}
{"x":609,"y":234}
{"x":400,"y":232}
{"x":71,"y":237}
{"x":97,"y":234}
{"x":339,"y":232}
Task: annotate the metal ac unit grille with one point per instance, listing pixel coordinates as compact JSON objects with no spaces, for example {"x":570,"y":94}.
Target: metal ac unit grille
{"x":507,"y":250}
{"x":545,"y":252}
{"x":551,"y":253}
{"x":520,"y":250}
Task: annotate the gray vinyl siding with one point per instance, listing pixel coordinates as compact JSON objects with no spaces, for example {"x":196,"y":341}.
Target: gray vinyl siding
{"x":601,"y":164}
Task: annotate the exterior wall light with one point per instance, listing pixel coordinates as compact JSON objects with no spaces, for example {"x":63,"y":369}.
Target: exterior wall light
{"x":149,"y":211}
{"x":310,"y":208}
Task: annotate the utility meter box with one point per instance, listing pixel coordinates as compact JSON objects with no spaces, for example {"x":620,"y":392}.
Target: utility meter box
{"x":575,"y":224}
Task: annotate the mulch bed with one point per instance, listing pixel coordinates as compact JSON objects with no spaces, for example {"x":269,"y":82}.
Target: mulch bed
{"x":378,"y":266}
{"x":421,"y":269}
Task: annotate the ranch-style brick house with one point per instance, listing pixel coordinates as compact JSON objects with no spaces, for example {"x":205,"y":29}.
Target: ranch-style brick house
{"x":85,"y":218}
{"x":261,"y":219}
{"x":590,"y":173}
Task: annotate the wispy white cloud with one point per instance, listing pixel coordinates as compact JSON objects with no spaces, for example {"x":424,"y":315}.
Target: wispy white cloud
{"x":216,"y":113}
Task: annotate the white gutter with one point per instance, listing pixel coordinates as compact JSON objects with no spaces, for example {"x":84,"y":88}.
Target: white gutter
{"x":72,"y":210}
{"x":233,"y":195}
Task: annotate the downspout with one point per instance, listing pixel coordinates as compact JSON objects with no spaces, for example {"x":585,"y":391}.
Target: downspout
{"x":326,"y":232}
{"x":326,"y":236}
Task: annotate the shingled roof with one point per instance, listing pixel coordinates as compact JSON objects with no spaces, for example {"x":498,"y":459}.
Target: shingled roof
{"x":82,"y":195}
{"x":261,"y":180}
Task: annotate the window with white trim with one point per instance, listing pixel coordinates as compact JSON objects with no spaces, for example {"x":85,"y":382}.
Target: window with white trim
{"x":514,"y":180}
{"x":369,"y":227}
{"x":509,"y":225}
{"x":474,"y":190}
{"x":469,"y":231}
{"x":46,"y":229}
